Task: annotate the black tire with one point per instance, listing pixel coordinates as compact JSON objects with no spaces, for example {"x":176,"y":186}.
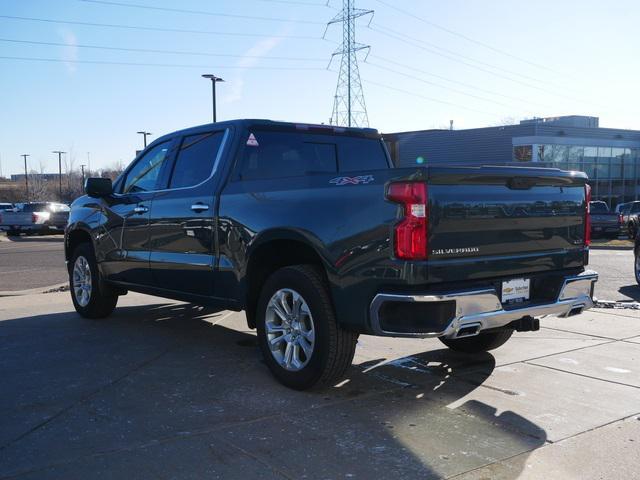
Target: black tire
{"x":333,"y":347}
{"x":482,"y":342}
{"x":13,"y":233}
{"x":632,"y":229}
{"x":636,"y":265}
{"x":101,"y":303}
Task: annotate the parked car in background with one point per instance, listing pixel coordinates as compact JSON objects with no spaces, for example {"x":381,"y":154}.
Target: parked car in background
{"x":35,"y":217}
{"x":621,"y":206}
{"x":631,"y":218}
{"x":313,"y":232}
{"x":6,"y":207}
{"x":603,"y":221}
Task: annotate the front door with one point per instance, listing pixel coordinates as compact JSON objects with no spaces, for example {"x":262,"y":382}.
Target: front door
{"x":127,"y":226}
{"x":182,"y":221}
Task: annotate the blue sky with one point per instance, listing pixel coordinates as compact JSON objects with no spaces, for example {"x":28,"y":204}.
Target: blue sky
{"x":477,"y":63}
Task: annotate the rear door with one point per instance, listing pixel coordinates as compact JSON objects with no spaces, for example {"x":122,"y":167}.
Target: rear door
{"x":182,"y":220}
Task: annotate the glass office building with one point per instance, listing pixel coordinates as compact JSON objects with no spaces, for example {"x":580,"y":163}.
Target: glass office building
{"x":610,"y":157}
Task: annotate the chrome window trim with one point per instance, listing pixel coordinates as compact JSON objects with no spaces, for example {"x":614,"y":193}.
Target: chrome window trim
{"x":213,"y":171}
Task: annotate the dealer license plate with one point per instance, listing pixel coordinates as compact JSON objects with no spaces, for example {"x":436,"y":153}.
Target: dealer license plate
{"x":515,"y":290}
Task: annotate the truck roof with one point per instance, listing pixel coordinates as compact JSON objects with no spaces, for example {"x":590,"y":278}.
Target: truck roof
{"x":299,"y":126}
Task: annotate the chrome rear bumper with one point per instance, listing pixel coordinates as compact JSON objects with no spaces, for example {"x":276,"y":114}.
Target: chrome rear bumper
{"x":477,"y":310}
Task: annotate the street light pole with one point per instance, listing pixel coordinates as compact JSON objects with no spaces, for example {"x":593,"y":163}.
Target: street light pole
{"x":59,"y":172}
{"x":26,"y":175}
{"x":144,"y":135}
{"x":213,"y":79}
{"x":82,"y":168}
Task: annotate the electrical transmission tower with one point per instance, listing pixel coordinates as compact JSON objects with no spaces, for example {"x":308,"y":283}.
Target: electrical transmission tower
{"x":349,"y":108}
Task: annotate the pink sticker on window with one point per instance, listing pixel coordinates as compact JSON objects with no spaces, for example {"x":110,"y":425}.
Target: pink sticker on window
{"x":251,"y":141}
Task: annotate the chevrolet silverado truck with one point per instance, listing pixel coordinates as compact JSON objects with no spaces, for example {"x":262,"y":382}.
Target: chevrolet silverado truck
{"x":314,"y":234}
{"x":35,"y":217}
{"x":604,"y":221}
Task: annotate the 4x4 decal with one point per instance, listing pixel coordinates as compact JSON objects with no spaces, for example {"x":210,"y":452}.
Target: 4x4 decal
{"x":360,"y":179}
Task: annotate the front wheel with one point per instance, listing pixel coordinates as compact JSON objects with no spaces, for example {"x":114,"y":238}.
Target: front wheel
{"x":302,"y":343}
{"x":483,"y":342}
{"x":87,"y":292}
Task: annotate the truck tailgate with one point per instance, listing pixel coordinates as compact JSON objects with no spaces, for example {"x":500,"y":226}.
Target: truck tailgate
{"x":489,"y":222}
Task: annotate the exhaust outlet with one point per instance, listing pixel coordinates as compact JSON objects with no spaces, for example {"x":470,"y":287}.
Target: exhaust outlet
{"x":469,"y":330}
{"x":575,"y":311}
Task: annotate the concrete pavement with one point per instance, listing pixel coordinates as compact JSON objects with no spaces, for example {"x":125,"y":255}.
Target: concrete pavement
{"x":168,"y":390}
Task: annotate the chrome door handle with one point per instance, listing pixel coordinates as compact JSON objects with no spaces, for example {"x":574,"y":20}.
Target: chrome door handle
{"x":140,"y":209}
{"x":199,"y":207}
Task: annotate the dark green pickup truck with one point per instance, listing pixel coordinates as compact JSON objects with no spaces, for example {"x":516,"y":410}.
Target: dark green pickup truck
{"x":312,"y":232}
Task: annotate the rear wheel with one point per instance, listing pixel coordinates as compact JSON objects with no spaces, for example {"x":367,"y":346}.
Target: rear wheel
{"x":90,"y":298}
{"x":12,"y":233}
{"x":636,"y":266}
{"x":632,"y":230}
{"x":483,"y":342}
{"x":300,"y":339}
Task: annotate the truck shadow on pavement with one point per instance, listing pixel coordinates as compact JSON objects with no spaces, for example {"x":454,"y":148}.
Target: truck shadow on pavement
{"x":631,"y":291}
{"x":166,"y":391}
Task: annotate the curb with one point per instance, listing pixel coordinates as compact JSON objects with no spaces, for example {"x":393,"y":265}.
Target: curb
{"x":32,"y":291}
{"x":605,"y":247}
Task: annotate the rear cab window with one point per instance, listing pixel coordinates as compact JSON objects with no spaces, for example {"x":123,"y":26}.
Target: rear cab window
{"x":270,"y":154}
{"x":599,"y":207}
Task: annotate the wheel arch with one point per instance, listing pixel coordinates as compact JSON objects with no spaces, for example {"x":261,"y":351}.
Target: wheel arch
{"x":272,"y":251}
{"x":74,"y":238}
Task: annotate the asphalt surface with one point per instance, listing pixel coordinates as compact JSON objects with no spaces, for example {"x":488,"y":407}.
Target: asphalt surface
{"x":31,"y":262}
{"x":167,"y":390}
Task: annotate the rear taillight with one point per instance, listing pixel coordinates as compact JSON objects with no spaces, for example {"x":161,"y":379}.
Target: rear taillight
{"x":620,"y":219}
{"x":34,"y":218}
{"x":587,"y":216}
{"x":411,"y":232}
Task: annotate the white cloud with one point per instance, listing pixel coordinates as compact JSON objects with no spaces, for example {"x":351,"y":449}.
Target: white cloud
{"x":70,"y":51}
{"x":249,"y":59}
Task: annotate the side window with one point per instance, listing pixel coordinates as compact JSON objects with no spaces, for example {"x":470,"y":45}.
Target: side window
{"x":269,"y":154}
{"x":143,"y":176}
{"x":195,"y":160}
{"x":355,"y":153}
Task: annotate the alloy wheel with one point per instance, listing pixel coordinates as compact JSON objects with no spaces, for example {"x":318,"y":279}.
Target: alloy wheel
{"x":81,"y":279}
{"x":290,"y":329}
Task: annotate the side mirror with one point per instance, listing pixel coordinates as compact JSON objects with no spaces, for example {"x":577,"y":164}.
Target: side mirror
{"x":98,"y":187}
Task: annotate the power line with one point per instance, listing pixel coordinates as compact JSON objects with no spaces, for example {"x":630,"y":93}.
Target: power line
{"x":465,"y":37}
{"x":431,"y":99}
{"x":293,"y":2}
{"x":157,"y":29}
{"x":380,"y":29}
{"x":138,"y":64}
{"x":457,"y":82}
{"x":198,"y":12}
{"x":406,"y":75}
{"x":147,"y":50}
{"x":495,"y":74}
